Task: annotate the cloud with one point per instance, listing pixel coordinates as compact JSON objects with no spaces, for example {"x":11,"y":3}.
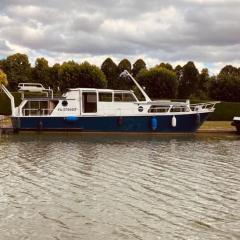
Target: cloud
{"x":206,"y":32}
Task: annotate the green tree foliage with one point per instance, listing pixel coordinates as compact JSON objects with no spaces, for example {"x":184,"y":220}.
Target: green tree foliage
{"x":229,"y":70}
{"x":54,"y":76}
{"x":179,"y":73}
{"x":124,"y":65}
{"x":69,"y":75}
{"x":18,"y":69}
{"x":167,"y":66}
{"x":74,"y":75}
{"x":3,"y":78}
{"x":110,"y":69}
{"x":159,"y":82}
{"x":124,"y":83}
{"x":137,"y":66}
{"x":226,"y":86}
{"x":91,"y":76}
{"x":201,"y":93}
{"x":204,"y":82}
{"x":41,"y":72}
{"x":189,"y":82}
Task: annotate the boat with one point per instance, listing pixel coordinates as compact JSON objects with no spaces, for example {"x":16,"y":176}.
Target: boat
{"x":236,"y":123}
{"x":104,"y":110}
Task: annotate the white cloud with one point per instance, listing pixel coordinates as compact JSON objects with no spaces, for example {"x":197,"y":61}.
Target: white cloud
{"x":176,"y":31}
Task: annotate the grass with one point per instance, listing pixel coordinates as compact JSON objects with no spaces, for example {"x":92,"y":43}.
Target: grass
{"x":217,"y":125}
{"x":6,"y":122}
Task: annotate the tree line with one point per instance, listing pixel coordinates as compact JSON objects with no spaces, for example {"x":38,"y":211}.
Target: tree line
{"x":161,"y":81}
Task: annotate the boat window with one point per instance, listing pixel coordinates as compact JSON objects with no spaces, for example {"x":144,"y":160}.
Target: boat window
{"x":89,"y":102}
{"x":179,"y":109}
{"x":158,"y":108}
{"x":124,"y":97}
{"x":105,"y":97}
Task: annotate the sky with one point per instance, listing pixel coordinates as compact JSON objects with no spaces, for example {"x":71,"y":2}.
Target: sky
{"x":175,"y":31}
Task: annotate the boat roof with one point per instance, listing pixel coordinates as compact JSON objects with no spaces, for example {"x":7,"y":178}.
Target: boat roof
{"x":99,"y":90}
{"x":44,"y":98}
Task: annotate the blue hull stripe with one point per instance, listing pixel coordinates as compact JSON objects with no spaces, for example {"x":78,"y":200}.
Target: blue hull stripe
{"x":185,"y":123}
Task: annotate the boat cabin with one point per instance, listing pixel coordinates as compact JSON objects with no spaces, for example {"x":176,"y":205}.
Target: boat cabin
{"x":96,"y":102}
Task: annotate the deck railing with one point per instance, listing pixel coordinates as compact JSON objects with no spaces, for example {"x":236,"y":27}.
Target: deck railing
{"x":202,"y":106}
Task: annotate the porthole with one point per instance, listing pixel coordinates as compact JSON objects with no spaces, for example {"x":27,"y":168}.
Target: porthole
{"x":140,"y":108}
{"x":64,"y":103}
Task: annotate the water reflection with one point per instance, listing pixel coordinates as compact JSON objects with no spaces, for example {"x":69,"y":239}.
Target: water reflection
{"x":73,"y":186}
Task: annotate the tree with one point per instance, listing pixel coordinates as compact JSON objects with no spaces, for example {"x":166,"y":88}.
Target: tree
{"x":54,"y":81}
{"x":179,"y":73}
{"x":204,"y":82}
{"x":159,"y":82}
{"x":229,"y":70}
{"x":110,"y":69}
{"x":18,"y":69}
{"x":167,"y":66}
{"x":124,"y":83}
{"x":137,"y":66}
{"x":41,"y":72}
{"x":69,"y":75}
{"x":124,"y":65}
{"x":73,"y":75}
{"x":189,"y":81}
{"x":3,"y":78}
{"x":90,"y":76}
{"x":226,"y":86}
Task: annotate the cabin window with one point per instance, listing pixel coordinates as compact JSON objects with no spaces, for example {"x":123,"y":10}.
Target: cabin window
{"x":158,"y":109}
{"x":89,"y":102}
{"x":105,"y":97}
{"x":179,"y":109}
{"x":124,"y":97}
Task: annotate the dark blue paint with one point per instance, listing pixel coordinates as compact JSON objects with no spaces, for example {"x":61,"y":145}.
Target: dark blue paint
{"x":185,"y":123}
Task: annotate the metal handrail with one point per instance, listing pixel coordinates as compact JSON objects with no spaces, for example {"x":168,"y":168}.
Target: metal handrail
{"x":202,"y":106}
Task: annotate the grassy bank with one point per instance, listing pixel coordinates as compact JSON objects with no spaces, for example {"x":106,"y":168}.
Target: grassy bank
{"x":217,"y":125}
{"x":6,"y":122}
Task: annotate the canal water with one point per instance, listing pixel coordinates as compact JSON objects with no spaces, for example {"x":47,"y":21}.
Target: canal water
{"x":72,"y":186}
